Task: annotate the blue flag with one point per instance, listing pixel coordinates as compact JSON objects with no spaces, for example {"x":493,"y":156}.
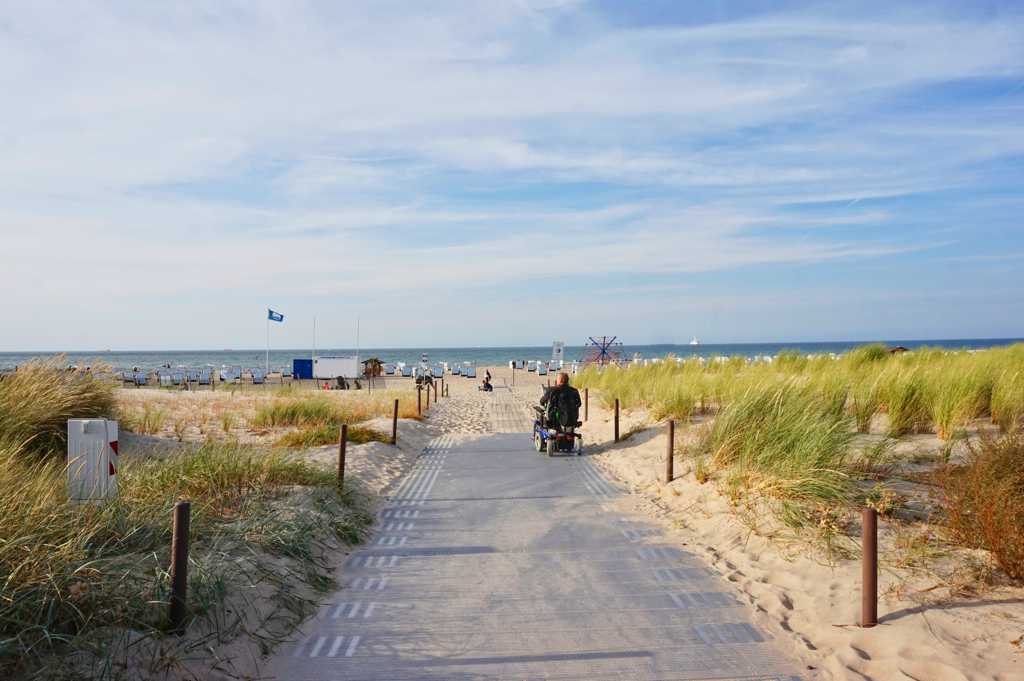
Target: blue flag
{"x":274,"y":316}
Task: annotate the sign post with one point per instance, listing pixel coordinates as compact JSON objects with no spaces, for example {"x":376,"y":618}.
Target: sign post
{"x":558,"y":353}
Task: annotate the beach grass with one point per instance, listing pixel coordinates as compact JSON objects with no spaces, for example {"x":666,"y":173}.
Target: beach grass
{"x":73,"y":575}
{"x":984,"y":500}
{"x":782,"y":432}
{"x":321,"y":410}
{"x":927,"y":390}
{"x":786,"y":443}
{"x":317,"y":435}
{"x":37,"y":400}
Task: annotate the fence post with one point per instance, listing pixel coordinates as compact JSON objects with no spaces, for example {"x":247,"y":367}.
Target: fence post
{"x":179,"y":566}
{"x":869,"y":568}
{"x":342,"y":443}
{"x":394,"y":425}
{"x":616,"y":419}
{"x":419,"y":400}
{"x":586,"y":403}
{"x":670,"y":451}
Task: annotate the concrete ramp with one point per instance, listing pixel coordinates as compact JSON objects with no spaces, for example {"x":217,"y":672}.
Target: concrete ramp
{"x":495,"y":562}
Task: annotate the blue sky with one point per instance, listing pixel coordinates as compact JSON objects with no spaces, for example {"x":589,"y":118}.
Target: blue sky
{"x":509,"y":172}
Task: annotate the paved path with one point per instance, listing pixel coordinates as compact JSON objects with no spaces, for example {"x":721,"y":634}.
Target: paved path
{"x":494,"y":562}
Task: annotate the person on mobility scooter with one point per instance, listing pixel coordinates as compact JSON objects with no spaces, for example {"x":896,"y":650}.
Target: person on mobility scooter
{"x":554,"y":429}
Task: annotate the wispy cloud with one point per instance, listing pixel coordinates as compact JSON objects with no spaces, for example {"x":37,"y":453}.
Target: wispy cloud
{"x":325,"y":153}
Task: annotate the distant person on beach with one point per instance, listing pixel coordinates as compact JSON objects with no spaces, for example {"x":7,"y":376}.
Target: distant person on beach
{"x":563,"y":398}
{"x":486,"y":385}
{"x":487,"y":375}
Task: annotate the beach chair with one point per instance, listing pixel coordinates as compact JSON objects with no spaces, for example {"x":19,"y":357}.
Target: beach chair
{"x":407,"y":372}
{"x":258,"y":377}
{"x":438,"y":372}
{"x":193,"y":375}
{"x":177,"y":378}
{"x":163,"y":379}
{"x":542,"y":370}
{"x":127,"y":377}
{"x":469,"y":372}
{"x":531,"y":366}
{"x":389,"y":369}
{"x":140,"y":378}
{"x":286,"y":372}
{"x":456,"y":370}
{"x":204,"y":377}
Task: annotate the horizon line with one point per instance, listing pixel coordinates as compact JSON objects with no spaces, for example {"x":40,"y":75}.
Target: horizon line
{"x":513,"y":347}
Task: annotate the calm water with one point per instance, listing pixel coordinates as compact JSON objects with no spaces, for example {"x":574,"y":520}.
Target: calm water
{"x":480,"y":356}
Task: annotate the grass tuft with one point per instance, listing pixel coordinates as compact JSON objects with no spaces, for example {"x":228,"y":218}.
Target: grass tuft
{"x":37,"y":400}
{"x":984,"y":500}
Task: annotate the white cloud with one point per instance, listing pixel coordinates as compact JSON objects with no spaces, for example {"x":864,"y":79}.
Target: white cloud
{"x":323,"y":149}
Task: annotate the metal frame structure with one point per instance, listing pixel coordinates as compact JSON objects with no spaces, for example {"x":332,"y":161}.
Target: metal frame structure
{"x":603,"y":351}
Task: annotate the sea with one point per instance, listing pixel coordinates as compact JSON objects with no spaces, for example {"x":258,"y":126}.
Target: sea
{"x":479,"y":356}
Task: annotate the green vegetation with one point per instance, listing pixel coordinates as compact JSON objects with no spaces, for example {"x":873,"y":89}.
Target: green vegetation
{"x":918,"y":391}
{"x":784,"y":433}
{"x":785,"y":443}
{"x":79,"y":580}
{"x":37,"y":400}
{"x":328,"y":434}
{"x":320,"y":410}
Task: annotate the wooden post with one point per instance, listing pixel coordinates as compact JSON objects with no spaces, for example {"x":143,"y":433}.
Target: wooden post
{"x":670,"y":451}
{"x":394,"y":425}
{"x":586,"y":403}
{"x":342,"y":443}
{"x":419,"y":400}
{"x":616,"y":419}
{"x":179,"y":566}
{"x":869,"y":568}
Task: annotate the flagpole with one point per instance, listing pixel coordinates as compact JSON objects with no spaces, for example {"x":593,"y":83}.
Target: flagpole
{"x":268,"y":341}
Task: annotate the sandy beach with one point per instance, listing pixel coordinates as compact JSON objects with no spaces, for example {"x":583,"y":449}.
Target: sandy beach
{"x":946,"y":614}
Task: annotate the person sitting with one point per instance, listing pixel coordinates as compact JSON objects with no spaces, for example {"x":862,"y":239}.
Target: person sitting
{"x":562,"y":402}
{"x":486,"y":385}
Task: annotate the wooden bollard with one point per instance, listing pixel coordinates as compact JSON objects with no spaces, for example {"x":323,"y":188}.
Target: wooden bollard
{"x":394,"y":425}
{"x":342,"y":444}
{"x":419,"y":400}
{"x":616,"y":419}
{"x":179,"y":566}
{"x":586,"y":403}
{"x":670,"y":451}
{"x":869,"y":568}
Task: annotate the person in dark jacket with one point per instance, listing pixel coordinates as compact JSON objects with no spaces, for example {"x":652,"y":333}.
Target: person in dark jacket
{"x":562,"y":393}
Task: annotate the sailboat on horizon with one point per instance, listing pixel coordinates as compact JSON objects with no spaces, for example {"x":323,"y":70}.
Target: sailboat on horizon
{"x":694,"y":341}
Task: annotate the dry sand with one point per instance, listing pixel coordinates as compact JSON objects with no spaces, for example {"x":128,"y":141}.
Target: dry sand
{"x":925,"y":632}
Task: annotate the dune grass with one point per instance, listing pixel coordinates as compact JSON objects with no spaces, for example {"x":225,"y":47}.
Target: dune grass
{"x":328,"y":434}
{"x":785,"y":443}
{"x":37,"y":400}
{"x":75,"y":576}
{"x":320,"y":410}
{"x":68,"y":571}
{"x":984,"y":499}
{"x":782,"y":431}
{"x":919,"y":391}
